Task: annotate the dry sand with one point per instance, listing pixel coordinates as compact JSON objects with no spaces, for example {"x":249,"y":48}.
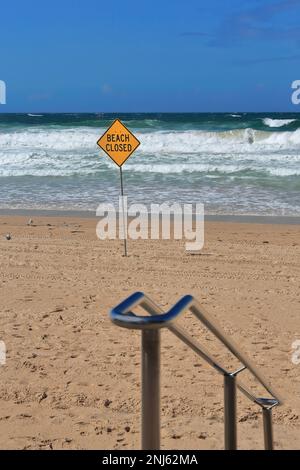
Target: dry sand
{"x":72,"y":379}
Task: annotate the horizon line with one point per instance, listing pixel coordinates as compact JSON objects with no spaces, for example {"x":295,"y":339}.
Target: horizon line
{"x":147,"y":112}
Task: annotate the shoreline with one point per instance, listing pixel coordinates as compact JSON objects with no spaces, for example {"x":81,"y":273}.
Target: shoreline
{"x":86,"y":214}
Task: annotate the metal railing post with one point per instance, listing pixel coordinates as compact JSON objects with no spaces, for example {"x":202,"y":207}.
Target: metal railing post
{"x":150,"y":326}
{"x":268,"y":428}
{"x":230,"y":414}
{"x":150,"y":389}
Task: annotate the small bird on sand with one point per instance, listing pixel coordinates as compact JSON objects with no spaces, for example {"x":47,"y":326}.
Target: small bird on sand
{"x":30,"y":222}
{"x":8,"y":236}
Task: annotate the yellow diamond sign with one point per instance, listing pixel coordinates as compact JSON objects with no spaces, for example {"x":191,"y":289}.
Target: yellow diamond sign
{"x":118,"y":142}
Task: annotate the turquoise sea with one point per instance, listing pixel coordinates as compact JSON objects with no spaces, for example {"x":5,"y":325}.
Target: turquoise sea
{"x":233,"y":163}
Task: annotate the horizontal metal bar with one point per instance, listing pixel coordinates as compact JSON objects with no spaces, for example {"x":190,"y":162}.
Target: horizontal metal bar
{"x":267,"y":403}
{"x":200,"y":350}
{"x":122,"y":316}
{"x":194,"y":306}
{"x":237,"y":372}
{"x":262,"y":402}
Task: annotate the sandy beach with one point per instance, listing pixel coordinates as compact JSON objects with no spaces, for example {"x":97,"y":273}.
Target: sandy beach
{"x":72,"y":379}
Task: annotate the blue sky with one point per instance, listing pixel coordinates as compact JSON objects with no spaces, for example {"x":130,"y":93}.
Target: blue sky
{"x":143,"y":56}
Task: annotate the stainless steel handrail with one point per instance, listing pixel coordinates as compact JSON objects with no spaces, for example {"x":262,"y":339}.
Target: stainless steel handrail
{"x":123,"y":316}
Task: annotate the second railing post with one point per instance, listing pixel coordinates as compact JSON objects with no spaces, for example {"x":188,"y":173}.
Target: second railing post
{"x":230,"y":412}
{"x":268,"y":428}
{"x":150,"y":389}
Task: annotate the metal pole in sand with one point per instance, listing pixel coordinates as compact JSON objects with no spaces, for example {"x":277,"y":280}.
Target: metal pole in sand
{"x":268,"y":428}
{"x":150,"y":389}
{"x":123,"y":210}
{"x":230,"y":412}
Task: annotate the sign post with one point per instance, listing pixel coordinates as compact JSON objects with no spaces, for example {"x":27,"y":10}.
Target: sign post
{"x":123,"y":210}
{"x":119,"y":144}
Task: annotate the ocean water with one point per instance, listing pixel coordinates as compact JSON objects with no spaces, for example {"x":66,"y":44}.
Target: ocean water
{"x":233,"y":163}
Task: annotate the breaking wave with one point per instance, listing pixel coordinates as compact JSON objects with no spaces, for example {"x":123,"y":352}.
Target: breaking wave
{"x":277,"y":122}
{"x":73,"y":151}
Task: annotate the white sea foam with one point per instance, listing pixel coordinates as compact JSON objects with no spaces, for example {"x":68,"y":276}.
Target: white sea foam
{"x":284,"y":171}
{"x":165,"y":142}
{"x":50,"y":138}
{"x":277,"y":122}
{"x":213,"y":168}
{"x":56,"y":151}
{"x":235,"y":141}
